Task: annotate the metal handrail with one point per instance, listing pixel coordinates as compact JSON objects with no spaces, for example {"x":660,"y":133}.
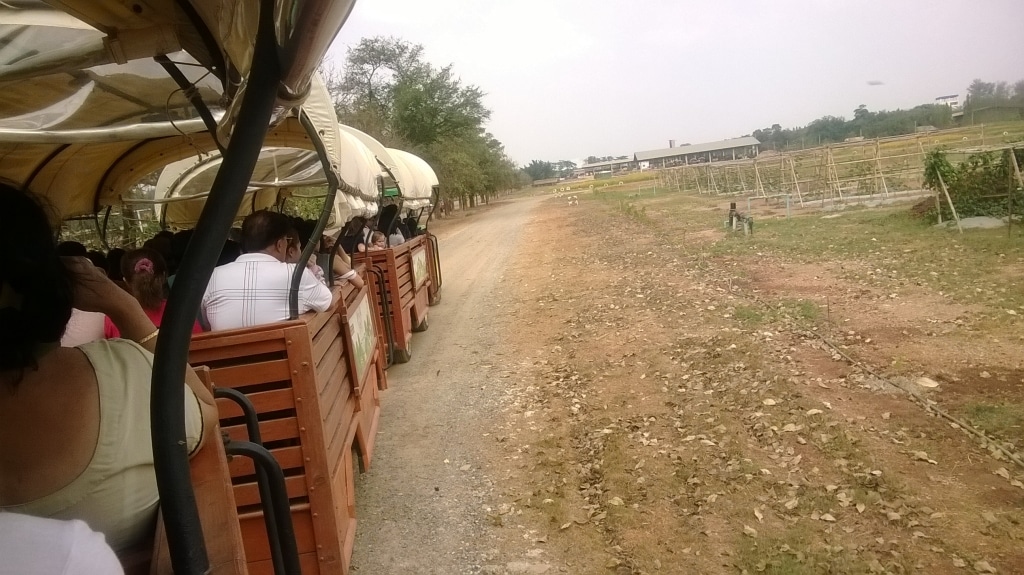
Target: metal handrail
{"x":436,"y":260}
{"x":277,"y":513}
{"x":333,"y":183}
{"x":185,"y":542}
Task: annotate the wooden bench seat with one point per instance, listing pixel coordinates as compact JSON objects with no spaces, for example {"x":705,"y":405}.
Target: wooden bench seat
{"x":314,"y":409}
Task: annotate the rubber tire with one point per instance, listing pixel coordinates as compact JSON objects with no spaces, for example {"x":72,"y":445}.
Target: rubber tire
{"x":402,"y":355}
{"x":422,"y":326}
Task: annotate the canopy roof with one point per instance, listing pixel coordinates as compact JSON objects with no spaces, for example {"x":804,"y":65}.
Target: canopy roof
{"x":85,"y":110}
{"x":284,"y":164}
{"x":417,"y":177}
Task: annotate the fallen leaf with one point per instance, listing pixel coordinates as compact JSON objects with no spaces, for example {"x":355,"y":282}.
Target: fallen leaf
{"x":1002,"y":472}
{"x":615,"y":501}
{"x":759,"y":515}
{"x":566,"y":526}
{"x":769,"y":402}
{"x":814,"y":412}
{"x":749,"y":531}
{"x":860,"y":508}
{"x":828,"y":517}
{"x":927,"y":382}
{"x":792,"y":503}
{"x":886,"y":415}
{"x":958,"y":562}
{"x":893,"y":516}
{"x":990,"y":517}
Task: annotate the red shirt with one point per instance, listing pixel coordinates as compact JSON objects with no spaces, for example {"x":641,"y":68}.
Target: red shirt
{"x":110,"y":331}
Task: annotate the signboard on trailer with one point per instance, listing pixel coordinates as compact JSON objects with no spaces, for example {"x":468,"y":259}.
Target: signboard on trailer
{"x":419,"y":267}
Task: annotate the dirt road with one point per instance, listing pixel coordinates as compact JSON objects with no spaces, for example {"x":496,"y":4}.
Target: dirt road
{"x":622,"y":388}
{"x":422,"y":507}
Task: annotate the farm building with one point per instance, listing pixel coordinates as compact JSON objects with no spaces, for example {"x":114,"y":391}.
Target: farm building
{"x":734,"y":149}
{"x":546,"y":182}
{"x":610,"y":166}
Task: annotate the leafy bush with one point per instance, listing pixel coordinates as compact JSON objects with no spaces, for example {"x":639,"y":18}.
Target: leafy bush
{"x":978,"y":187}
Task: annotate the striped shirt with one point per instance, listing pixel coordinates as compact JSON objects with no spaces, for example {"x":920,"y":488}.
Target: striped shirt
{"x":253,"y":290}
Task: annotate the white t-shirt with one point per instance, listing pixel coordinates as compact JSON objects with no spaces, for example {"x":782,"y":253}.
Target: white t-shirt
{"x":36,"y":546}
{"x":253,"y":290}
{"x":83,"y":327}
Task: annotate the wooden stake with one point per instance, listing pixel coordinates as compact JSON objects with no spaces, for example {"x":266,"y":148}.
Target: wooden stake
{"x":948,"y":199}
{"x":878,"y":168}
{"x":757,"y":175}
{"x":796,"y":182}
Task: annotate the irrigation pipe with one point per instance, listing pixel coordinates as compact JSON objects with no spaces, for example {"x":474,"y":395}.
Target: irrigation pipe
{"x":934,"y":409}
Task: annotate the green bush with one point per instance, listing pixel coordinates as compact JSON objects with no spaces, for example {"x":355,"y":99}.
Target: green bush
{"x":979,"y":186}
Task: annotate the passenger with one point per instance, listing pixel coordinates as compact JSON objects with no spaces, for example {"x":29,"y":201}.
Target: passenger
{"x":84,"y":326}
{"x":74,"y":422}
{"x":356,"y":236}
{"x":342,"y":263}
{"x":295,"y":254}
{"x":378,"y":242}
{"x":145,"y":274}
{"x":254,"y":289}
{"x":229,"y":252}
{"x":179,"y":243}
{"x":98,"y":259}
{"x":114,"y":257}
{"x":411,"y":225}
{"x":72,"y":249}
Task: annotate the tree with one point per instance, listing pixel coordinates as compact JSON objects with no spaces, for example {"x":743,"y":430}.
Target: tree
{"x":389,"y":91}
{"x":564,"y":168}
{"x":434,"y":105}
{"x":539,"y":170}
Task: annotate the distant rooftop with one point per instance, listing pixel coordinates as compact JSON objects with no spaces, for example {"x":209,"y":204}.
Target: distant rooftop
{"x":697,"y":148}
{"x":606,"y":163}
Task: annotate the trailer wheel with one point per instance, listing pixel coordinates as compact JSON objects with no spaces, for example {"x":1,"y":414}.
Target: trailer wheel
{"x":422,"y":326}
{"x":402,"y":355}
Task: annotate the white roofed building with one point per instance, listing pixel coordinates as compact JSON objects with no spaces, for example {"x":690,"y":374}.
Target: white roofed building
{"x":724,"y":150}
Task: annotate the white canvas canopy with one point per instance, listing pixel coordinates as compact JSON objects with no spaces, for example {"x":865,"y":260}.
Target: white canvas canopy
{"x":418,"y":176}
{"x":86,"y":112}
{"x":278,"y":172}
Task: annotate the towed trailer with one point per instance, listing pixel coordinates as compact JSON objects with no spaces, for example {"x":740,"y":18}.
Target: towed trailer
{"x":150,"y":83}
{"x":410,"y":271}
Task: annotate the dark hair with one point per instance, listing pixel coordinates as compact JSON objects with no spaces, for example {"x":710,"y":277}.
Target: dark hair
{"x":71,"y":249}
{"x":355,"y":226}
{"x":145,"y":272}
{"x":98,"y":259}
{"x":33,"y":280}
{"x":261,"y":229}
{"x":386,"y":219}
{"x":179,"y":243}
{"x":229,"y":252}
{"x":114,"y":257}
{"x":304,"y":229}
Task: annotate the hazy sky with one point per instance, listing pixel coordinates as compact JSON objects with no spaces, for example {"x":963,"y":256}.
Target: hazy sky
{"x":566,"y":79}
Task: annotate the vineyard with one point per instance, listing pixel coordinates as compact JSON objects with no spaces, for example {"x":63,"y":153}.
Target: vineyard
{"x":841,"y":172}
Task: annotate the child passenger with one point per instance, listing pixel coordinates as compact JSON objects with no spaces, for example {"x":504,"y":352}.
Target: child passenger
{"x":145,"y":274}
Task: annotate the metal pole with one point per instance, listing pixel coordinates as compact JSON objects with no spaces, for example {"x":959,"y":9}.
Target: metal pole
{"x":185,"y":542}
